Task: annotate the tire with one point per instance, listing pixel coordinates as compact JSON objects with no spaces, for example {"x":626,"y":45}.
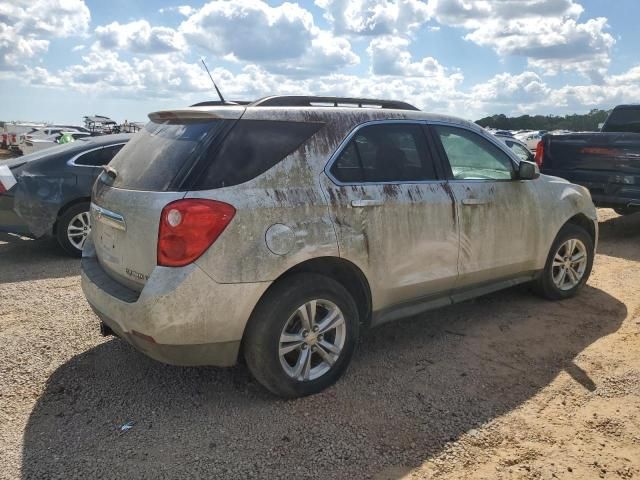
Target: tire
{"x":71,"y":218}
{"x":277,"y":313}
{"x":549,"y":288}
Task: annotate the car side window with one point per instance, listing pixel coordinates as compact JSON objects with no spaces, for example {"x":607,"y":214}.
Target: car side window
{"x":520,"y":151}
{"x":472,"y":157}
{"x":391,"y":152}
{"x":97,"y":158}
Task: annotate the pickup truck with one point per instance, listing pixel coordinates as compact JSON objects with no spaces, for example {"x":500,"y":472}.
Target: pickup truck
{"x":606,"y":162}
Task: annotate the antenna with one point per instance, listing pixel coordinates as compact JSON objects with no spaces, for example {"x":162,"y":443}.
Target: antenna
{"x":212,"y":81}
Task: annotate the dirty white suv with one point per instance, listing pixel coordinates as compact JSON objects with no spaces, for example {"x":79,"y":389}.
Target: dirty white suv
{"x":281,"y":228}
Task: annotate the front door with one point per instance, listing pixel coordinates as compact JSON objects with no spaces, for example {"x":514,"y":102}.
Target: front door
{"x":394,"y":213}
{"x":499,"y":216}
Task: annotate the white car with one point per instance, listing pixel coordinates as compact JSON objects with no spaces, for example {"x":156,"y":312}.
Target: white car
{"x":531,"y":139}
{"x":36,"y":143}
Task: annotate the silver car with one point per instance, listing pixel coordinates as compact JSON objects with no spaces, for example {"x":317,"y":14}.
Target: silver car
{"x":280,"y":229}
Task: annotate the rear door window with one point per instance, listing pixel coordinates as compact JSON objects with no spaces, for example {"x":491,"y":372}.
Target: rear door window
{"x":99,"y":157}
{"x":393,"y":152}
{"x":159,"y":156}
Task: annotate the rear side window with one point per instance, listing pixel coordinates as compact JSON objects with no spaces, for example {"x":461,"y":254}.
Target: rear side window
{"x":250,"y":149}
{"x":96,"y":158}
{"x":159,"y":155}
{"x":623,"y":120}
{"x":385,"y":153}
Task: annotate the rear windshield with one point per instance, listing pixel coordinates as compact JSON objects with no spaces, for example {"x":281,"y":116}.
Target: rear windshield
{"x":623,"y":120}
{"x":161,"y":154}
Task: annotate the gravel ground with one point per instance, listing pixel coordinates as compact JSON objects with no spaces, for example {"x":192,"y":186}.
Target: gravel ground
{"x":506,"y":386}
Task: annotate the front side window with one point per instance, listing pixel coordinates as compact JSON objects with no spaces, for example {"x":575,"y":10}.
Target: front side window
{"x":520,"y":151}
{"x":472,"y":157}
{"x":385,"y":153}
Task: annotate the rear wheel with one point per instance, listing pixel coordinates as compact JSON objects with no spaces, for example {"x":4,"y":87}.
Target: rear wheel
{"x":302,"y":335}
{"x":73,"y":228}
{"x":568,"y":265}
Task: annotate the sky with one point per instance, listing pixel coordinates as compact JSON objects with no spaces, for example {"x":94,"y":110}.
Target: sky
{"x":63,"y":59}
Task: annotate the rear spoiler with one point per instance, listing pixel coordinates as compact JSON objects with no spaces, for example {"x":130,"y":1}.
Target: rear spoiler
{"x":231,"y":112}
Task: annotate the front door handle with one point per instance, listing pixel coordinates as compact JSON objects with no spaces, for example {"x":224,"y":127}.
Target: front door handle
{"x":475,"y":201}
{"x":365,"y":203}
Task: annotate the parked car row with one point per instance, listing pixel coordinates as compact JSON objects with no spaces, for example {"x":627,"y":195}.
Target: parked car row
{"x":279,"y":229}
{"x":51,"y":190}
{"x":606,"y":162}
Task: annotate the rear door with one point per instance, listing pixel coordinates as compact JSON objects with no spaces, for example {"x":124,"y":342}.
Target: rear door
{"x":499,"y":214}
{"x":393,"y":212}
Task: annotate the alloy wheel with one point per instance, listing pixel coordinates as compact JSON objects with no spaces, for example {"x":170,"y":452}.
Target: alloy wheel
{"x":569,"y":264}
{"x":78,"y":229}
{"x":312,"y":340}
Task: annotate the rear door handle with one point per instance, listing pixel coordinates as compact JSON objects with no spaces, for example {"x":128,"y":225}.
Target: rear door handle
{"x":475,"y":201}
{"x":366,"y":203}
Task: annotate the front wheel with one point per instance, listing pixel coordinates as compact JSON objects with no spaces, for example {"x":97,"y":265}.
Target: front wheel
{"x":568,"y":265}
{"x":302,"y":335}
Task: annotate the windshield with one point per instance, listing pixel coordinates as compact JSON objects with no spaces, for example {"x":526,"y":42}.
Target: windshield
{"x":161,"y":152}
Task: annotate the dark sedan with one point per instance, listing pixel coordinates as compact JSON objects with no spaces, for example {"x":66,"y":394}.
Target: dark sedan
{"x":49,"y":192}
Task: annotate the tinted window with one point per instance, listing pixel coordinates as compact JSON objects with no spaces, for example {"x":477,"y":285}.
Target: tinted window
{"x":472,"y":157}
{"x":385,"y":153}
{"x":623,"y":120}
{"x":99,"y":157}
{"x":250,"y":149}
{"x":519,"y":150}
{"x":161,"y":152}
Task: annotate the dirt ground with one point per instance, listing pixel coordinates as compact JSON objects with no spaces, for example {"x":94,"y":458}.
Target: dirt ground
{"x":506,"y":386}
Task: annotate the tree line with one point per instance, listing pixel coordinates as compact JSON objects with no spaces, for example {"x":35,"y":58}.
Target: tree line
{"x":575,"y":122}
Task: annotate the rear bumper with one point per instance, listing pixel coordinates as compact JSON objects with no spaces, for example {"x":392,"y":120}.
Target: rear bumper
{"x":181,"y":317}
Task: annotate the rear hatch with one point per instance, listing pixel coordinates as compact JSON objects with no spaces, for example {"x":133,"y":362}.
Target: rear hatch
{"x":148,"y":173}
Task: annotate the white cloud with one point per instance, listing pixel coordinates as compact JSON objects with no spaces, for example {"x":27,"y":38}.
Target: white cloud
{"x":389,"y":56}
{"x":546,"y":32}
{"x":280,"y":39}
{"x":250,"y":29}
{"x":185,"y":10}
{"x":139,"y":37}
{"x":375,"y":17}
{"x":55,"y":18}
{"x":26,"y":27}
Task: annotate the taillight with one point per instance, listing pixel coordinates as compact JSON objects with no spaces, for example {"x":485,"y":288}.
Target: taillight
{"x":540,"y":153}
{"x":2,"y":189}
{"x":188,"y":227}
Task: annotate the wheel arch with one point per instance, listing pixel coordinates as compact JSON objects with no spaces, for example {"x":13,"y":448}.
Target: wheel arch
{"x":66,"y":207}
{"x":584,"y":222}
{"x":343,"y":271}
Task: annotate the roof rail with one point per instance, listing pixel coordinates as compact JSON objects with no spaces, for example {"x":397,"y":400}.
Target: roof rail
{"x":311,"y":101}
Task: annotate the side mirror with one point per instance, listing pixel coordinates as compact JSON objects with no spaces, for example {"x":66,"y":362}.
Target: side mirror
{"x":528,"y":171}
